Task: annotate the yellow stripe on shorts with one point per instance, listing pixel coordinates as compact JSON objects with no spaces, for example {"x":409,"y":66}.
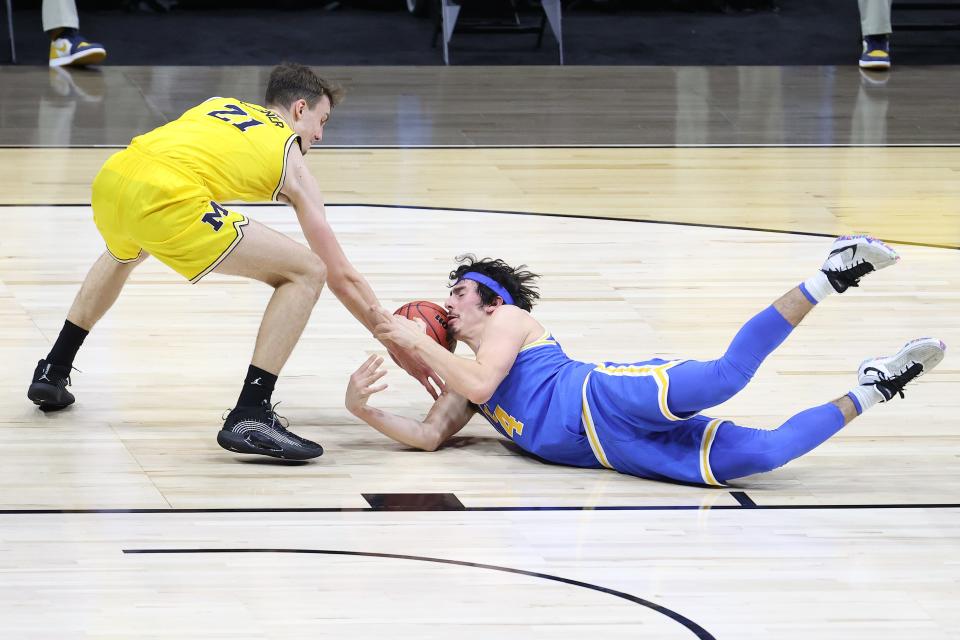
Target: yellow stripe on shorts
{"x":591,"y":430}
{"x":708,"y":436}
{"x":659,"y":373}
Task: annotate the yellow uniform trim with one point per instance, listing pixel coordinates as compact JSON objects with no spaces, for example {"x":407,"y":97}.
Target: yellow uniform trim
{"x":283,"y":172}
{"x":591,"y":431}
{"x":659,"y":373}
{"x":708,"y":436}
{"x":239,"y":228}
{"x":539,"y":342}
{"x":128,"y":260}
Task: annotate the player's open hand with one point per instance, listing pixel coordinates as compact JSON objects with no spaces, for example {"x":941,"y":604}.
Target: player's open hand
{"x":420,"y":371}
{"x":399,"y":335}
{"x":363,"y":384}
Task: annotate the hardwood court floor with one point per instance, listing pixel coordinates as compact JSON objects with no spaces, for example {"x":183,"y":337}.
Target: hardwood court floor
{"x":143,"y":438}
{"x":861,"y":538}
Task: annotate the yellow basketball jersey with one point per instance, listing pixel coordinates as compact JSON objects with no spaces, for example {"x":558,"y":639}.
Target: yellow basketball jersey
{"x":236,"y":149}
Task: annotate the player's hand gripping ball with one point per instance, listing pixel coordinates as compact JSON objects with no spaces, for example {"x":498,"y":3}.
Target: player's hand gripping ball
{"x":433,"y":316}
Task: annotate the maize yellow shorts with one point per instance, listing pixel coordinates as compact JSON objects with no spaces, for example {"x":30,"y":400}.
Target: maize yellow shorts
{"x":143,"y":204}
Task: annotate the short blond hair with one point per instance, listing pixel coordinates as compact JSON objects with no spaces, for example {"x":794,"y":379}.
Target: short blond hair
{"x":290,"y":82}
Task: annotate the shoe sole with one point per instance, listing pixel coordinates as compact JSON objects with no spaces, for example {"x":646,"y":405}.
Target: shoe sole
{"x":47,"y":397}
{"x":80,"y":59}
{"x":875,"y":66}
{"x":928,"y":352}
{"x":238,"y":444}
{"x":879,"y":244}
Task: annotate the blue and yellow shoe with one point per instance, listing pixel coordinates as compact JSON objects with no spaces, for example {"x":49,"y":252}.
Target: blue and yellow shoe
{"x":70,"y":48}
{"x":876,"y":53}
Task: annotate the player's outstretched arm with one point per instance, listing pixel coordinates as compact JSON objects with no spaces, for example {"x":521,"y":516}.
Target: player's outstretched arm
{"x":301,"y":190}
{"x":449,"y":414}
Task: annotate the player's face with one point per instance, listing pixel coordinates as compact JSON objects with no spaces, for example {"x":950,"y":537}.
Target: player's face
{"x":309,"y":123}
{"x":464,"y":308}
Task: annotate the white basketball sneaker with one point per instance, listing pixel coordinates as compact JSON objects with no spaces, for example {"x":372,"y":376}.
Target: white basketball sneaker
{"x":890,"y":374}
{"x":853,"y":257}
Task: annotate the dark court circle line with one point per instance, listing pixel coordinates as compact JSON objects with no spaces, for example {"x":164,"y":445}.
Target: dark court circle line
{"x":697,"y":630}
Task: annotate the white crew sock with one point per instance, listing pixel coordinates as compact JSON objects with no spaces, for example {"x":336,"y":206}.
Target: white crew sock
{"x":867,"y":395}
{"x":818,"y":286}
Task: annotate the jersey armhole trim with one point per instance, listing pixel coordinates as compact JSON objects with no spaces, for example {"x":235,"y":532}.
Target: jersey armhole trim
{"x":283,"y":172}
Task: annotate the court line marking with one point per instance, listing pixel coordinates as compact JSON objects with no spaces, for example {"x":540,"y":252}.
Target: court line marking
{"x":679,"y":507}
{"x":575,"y":216}
{"x":779,"y":145}
{"x":744,"y":500}
{"x":697,"y":630}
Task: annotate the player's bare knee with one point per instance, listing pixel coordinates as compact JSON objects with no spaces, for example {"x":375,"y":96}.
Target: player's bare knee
{"x":312,"y":275}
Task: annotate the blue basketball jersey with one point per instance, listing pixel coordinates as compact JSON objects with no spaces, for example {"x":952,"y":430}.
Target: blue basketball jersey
{"x":538,"y":404}
{"x":609,"y":415}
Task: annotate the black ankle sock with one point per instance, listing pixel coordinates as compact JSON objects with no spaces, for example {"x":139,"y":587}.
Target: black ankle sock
{"x":68,"y":343}
{"x":257,"y":388}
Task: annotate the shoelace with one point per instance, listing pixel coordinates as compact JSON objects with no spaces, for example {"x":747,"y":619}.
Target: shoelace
{"x":853,"y":274}
{"x":276,"y":420}
{"x":899,"y":381}
{"x":61,"y":382}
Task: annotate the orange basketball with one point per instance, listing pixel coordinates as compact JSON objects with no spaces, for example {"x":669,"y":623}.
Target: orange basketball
{"x":435,"y":318}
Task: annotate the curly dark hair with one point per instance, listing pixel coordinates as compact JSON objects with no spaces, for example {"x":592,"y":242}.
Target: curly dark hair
{"x":517,"y":281}
{"x":290,"y":81}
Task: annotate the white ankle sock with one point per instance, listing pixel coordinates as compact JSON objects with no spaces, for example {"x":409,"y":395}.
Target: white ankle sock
{"x":818,"y":286}
{"x":867,"y":395}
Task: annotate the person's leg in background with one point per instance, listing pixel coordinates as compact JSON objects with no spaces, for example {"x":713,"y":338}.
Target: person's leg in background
{"x":67,"y":47}
{"x":875,"y":28}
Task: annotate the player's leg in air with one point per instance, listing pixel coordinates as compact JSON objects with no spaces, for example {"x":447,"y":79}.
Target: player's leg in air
{"x":741,"y":451}
{"x":697,"y":385}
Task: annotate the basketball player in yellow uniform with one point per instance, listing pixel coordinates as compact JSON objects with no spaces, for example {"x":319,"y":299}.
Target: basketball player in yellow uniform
{"x":163,"y":196}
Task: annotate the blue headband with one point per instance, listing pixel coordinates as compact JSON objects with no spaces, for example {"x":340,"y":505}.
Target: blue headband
{"x":490,"y":283}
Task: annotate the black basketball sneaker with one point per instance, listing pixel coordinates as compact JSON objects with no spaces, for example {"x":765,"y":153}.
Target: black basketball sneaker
{"x":261,"y":431}
{"x":48,"y":390}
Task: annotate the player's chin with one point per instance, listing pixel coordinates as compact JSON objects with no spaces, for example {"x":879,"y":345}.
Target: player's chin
{"x":453,"y":327}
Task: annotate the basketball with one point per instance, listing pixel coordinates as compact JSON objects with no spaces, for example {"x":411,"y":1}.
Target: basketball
{"x":435,"y":318}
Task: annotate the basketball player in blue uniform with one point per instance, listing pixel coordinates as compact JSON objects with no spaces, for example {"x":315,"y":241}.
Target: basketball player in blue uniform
{"x":640,"y":418}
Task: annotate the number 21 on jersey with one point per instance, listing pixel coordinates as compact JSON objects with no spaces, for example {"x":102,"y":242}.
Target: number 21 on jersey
{"x":232,"y":113}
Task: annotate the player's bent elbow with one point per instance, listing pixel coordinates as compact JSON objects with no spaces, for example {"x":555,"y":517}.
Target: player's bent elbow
{"x":431,"y":442}
{"x":432,"y":437}
{"x":479,"y":395}
{"x":431,"y":445}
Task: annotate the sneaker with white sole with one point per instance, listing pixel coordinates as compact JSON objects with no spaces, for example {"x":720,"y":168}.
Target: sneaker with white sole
{"x":876,"y":53}
{"x":853,"y":257}
{"x":890,"y":374}
{"x":72,"y":49}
